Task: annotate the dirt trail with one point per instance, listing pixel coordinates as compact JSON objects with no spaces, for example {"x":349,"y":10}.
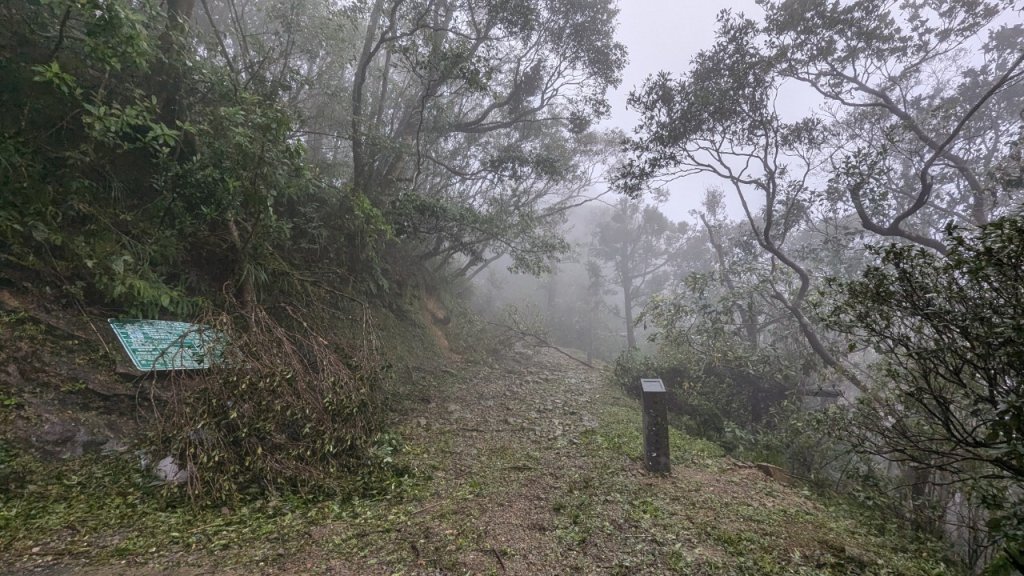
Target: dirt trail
{"x":533,"y":468}
{"x":504,"y":444}
{"x":537,"y":471}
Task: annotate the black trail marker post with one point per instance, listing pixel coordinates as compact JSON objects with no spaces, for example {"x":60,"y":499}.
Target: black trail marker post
{"x":656,"y":457}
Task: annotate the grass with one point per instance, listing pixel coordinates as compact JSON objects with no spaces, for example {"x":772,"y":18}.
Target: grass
{"x":710,"y":517}
{"x":108,"y":508}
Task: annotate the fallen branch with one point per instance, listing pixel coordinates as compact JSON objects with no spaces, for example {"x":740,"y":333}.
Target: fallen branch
{"x":501,"y":562}
{"x":541,"y":342}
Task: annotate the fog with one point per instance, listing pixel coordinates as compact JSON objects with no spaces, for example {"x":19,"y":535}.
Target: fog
{"x":809,"y":224}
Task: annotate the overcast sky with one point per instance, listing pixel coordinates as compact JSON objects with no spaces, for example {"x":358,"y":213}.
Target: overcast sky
{"x":665,"y":35}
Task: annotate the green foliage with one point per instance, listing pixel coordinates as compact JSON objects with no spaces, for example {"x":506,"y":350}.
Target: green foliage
{"x":124,"y":204}
{"x":71,"y":211}
{"x":11,"y":475}
{"x":502,"y":224}
{"x":949,"y":331}
{"x":69,"y":506}
{"x":806,"y":443}
{"x":472,"y":335}
{"x":287,"y":412}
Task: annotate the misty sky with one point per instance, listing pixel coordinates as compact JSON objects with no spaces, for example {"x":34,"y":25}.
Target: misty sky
{"x":665,"y":35}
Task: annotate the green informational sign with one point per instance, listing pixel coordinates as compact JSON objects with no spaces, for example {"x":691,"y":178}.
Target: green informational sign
{"x":163,"y":345}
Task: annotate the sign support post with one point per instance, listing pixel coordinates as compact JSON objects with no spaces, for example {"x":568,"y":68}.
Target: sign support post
{"x":656,"y":453}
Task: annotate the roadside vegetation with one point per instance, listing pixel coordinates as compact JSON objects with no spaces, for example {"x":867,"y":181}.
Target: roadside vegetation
{"x":399,"y":213}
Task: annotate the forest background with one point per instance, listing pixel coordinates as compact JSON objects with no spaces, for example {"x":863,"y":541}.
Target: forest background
{"x":293,"y":172}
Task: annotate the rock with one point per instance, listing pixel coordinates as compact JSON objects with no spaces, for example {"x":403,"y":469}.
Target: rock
{"x":106,"y":386}
{"x":90,"y":443}
{"x":71,"y":438}
{"x":168,"y":470}
{"x":114,"y":445}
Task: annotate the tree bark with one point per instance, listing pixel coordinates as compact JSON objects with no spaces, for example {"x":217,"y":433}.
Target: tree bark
{"x":627,"y":306}
{"x":171,"y":74}
{"x":360,"y":161}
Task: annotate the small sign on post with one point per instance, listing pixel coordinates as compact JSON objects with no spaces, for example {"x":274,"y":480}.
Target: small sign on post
{"x":656,"y":456}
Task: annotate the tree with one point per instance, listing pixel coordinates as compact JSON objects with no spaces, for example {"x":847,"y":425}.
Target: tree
{"x":483,"y":216}
{"x":475,"y":114}
{"x":454,"y":72}
{"x":593,"y":306}
{"x":742,"y":301}
{"x":637,"y":242}
{"x":950,"y":332}
{"x":900,"y":155}
{"x":687,"y":127}
{"x":932,"y":120}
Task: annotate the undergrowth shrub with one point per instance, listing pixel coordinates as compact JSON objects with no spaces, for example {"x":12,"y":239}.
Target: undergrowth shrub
{"x":747,"y":414}
{"x":806,"y":442}
{"x":289,"y":409}
{"x":473,"y":334}
{"x":689,"y":410}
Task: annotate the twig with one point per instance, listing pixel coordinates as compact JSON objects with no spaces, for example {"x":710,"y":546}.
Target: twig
{"x":497,"y":555}
{"x":50,"y":553}
{"x":324,"y":286}
{"x":925,"y":177}
{"x":223,"y":49}
{"x":542,"y":342}
{"x":94,"y":329}
{"x":60,"y":32}
{"x":517,"y":467}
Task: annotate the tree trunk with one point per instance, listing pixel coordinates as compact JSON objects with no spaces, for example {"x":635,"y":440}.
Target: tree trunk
{"x":246,"y":292}
{"x":170,"y":75}
{"x":627,"y":305}
{"x":360,"y":160}
{"x":590,"y":336}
